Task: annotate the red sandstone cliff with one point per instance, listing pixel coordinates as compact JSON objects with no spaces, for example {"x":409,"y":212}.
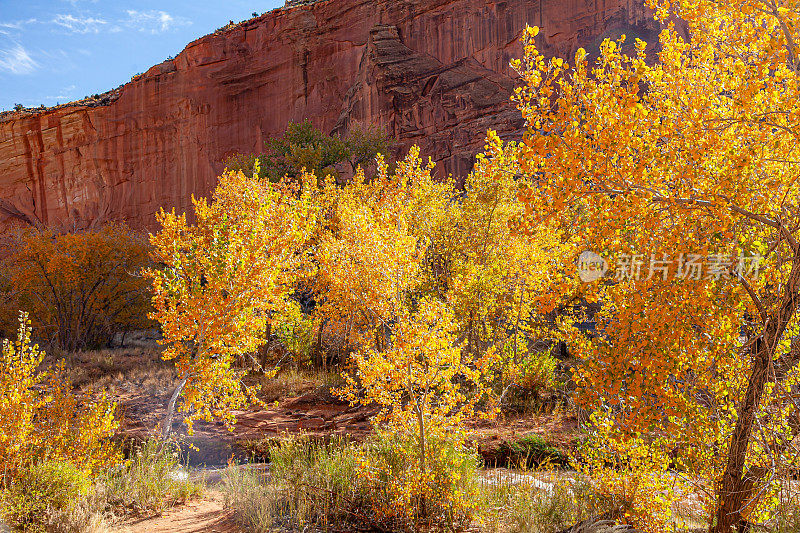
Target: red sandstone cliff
{"x":431,"y":72}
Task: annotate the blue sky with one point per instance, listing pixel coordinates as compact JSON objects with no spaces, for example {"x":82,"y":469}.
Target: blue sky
{"x":56,"y":51}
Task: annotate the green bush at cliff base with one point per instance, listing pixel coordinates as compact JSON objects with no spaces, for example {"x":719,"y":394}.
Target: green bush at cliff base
{"x":303,"y":146}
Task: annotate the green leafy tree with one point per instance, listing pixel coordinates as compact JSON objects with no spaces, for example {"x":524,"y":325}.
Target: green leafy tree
{"x":304,"y":146}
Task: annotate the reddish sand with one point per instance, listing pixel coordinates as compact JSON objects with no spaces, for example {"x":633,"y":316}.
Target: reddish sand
{"x":205,"y":515}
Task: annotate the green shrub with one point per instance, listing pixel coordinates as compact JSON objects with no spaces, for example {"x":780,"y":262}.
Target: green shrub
{"x":151,"y":479}
{"x":303,"y":146}
{"x":533,"y":450}
{"x":342,"y":485}
{"x":43,"y":489}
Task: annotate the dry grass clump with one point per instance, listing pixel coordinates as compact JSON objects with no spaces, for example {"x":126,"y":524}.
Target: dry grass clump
{"x":151,"y":381}
{"x":346,"y":486}
{"x":58,"y":497}
{"x":113,"y":366}
{"x":318,"y":487}
{"x":542,"y":501}
{"x":291,"y":382}
{"x":152,"y":479}
{"x":310,"y":484}
{"x":787,"y":516}
{"x":141,"y":369}
{"x":258,"y":503}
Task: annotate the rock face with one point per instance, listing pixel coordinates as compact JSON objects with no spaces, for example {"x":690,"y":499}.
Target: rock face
{"x":431,"y":72}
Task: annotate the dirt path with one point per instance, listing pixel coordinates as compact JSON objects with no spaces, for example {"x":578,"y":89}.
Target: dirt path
{"x":204,"y":515}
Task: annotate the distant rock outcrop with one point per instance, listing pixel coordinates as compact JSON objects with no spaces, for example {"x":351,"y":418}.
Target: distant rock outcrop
{"x":431,"y":72}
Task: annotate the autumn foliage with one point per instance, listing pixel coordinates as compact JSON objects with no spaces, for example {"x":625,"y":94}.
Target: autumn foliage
{"x":421,"y":290}
{"x":377,"y":255}
{"x":693,"y":156}
{"x":221,"y":281}
{"x":43,"y":419}
{"x":678,"y":166}
{"x":79,"y":289}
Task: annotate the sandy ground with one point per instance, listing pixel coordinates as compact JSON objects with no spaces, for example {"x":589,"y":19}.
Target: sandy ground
{"x":142,"y":384}
{"x":204,"y":515}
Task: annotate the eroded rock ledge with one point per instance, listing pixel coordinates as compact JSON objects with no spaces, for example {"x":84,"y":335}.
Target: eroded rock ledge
{"x":431,"y":72}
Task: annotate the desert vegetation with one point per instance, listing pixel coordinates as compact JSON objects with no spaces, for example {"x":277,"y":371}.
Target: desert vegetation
{"x":61,"y":469}
{"x":81,"y":290}
{"x":303,"y":147}
{"x":440,"y":307}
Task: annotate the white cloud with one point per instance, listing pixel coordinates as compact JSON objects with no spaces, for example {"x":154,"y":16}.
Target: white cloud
{"x":61,"y":96}
{"x":79,"y":24}
{"x":16,"y":60}
{"x":55,"y":59}
{"x":66,"y":94}
{"x":153,"y":21}
{"x":17,"y":25}
{"x":6,"y":28}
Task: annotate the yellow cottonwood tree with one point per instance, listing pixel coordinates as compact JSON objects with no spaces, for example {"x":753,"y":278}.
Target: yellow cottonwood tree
{"x":502,"y":283}
{"x":681,"y":170}
{"x":43,"y":419}
{"x":396,"y":239}
{"x":371,"y":247}
{"x":221,"y":280}
{"x":421,"y":380}
{"x":368,"y":262}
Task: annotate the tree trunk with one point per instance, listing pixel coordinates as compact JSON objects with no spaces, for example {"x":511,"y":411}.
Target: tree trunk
{"x":318,"y":347}
{"x":422,"y":451}
{"x":264,"y":359}
{"x":166,"y":427}
{"x":736,"y":488}
{"x":422,"y":459}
